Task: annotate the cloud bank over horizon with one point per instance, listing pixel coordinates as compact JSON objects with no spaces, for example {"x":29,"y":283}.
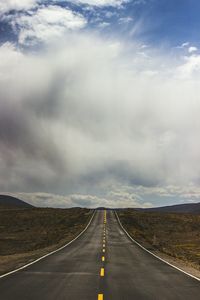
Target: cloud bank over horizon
{"x":103,"y":120}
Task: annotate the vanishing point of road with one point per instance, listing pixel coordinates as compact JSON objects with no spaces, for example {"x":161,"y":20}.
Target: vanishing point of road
{"x":102,"y":264}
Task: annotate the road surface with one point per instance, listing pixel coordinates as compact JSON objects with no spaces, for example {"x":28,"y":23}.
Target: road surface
{"x":103,"y":264}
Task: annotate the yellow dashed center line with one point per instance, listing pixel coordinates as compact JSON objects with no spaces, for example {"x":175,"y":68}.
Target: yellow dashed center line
{"x":102,"y":272}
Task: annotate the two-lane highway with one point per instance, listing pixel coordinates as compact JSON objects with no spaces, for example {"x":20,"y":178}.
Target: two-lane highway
{"x":102,"y":264}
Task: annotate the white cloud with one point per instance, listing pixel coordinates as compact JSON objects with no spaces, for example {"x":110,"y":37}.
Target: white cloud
{"x":116,"y":3}
{"x":47,"y":23}
{"x":125,"y":20}
{"x":190,"y":68}
{"x":183,"y":45}
{"x":189,"y":191}
{"x":8,"y":5}
{"x":103,"y":25}
{"x":186,"y":46}
{"x":192,"y":49}
{"x":113,"y":200}
{"x":102,"y":2}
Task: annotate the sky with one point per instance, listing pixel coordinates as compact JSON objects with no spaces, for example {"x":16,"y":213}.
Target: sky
{"x":100,"y":102}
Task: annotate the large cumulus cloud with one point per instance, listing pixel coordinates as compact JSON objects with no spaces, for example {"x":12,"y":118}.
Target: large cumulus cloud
{"x":90,"y":114}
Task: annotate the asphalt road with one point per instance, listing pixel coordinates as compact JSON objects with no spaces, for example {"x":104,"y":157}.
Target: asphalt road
{"x":102,"y":264}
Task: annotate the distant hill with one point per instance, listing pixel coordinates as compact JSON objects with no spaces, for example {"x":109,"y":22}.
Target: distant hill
{"x":103,"y":208}
{"x":179,"y":208}
{"x":12,"y":202}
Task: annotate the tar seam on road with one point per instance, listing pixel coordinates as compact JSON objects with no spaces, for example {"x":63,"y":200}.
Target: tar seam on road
{"x":48,"y":254}
{"x":166,"y":262}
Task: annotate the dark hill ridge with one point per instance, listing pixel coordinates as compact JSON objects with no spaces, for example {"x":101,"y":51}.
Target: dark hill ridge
{"x":12,"y":202}
{"x":193,"y":208}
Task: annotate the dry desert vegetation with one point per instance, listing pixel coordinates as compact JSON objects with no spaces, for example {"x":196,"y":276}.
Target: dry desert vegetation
{"x":176,"y":235}
{"x":28,"y":233}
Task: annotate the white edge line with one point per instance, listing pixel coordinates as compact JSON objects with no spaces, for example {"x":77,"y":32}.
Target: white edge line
{"x":48,"y":254}
{"x":166,"y":262}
